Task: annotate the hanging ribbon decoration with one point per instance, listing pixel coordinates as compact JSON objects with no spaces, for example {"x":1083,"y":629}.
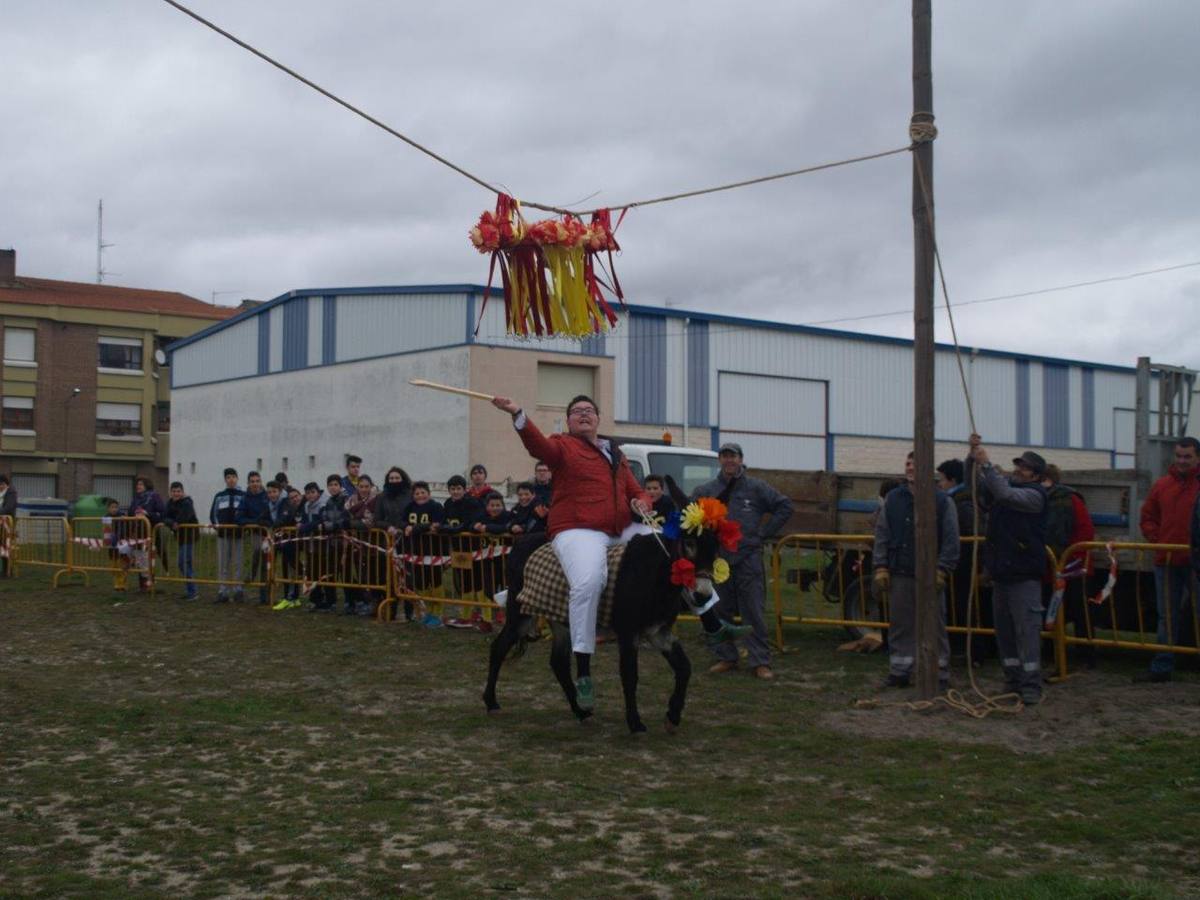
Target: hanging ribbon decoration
{"x":548,"y":271}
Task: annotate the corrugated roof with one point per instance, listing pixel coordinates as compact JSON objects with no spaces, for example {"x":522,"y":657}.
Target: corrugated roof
{"x":46,"y":292}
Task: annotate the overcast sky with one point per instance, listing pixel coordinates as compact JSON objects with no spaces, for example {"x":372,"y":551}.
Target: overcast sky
{"x":1068,"y":151}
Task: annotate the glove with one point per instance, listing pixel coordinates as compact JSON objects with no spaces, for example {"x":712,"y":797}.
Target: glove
{"x":881,"y":582}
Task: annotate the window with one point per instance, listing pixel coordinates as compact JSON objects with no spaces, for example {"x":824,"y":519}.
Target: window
{"x":312,"y":462}
{"x":163,"y":416}
{"x":557,"y":384}
{"x":19,"y":344}
{"x":121,"y":354}
{"x":283,"y":468}
{"x":178,"y":468}
{"x":119,"y":487}
{"x":30,"y":486}
{"x":18,"y":415}
{"x":118,"y":420}
{"x":193,"y":469}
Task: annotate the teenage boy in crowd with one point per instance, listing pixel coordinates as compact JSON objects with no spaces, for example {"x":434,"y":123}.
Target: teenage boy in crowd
{"x":254,"y":511}
{"x":524,"y":518}
{"x":362,"y":563}
{"x":662,"y":503}
{"x":317,"y":555}
{"x":489,"y":573}
{"x":895,"y":563}
{"x":223,"y":515}
{"x":181,"y":511}
{"x":350,"y":479}
{"x":459,"y":514}
{"x":422,"y":516}
{"x":479,"y":488}
{"x":281,"y":514}
{"x":148,"y":505}
{"x":334,"y":521}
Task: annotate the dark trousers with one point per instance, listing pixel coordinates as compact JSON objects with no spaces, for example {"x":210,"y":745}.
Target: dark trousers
{"x":745,"y":594}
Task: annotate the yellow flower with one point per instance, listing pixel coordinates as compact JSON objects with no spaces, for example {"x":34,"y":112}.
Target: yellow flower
{"x":692,"y":518}
{"x":720,"y":571}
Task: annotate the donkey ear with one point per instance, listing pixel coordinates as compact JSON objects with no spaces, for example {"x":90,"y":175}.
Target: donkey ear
{"x":675,"y":493}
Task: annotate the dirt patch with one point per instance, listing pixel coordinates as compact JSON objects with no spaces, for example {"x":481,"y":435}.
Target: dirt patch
{"x":1081,"y":710}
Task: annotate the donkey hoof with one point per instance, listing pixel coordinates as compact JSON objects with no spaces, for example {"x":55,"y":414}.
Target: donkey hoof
{"x":670,"y":727}
{"x":584,"y":716}
{"x":493,"y":711}
{"x":638,"y":727}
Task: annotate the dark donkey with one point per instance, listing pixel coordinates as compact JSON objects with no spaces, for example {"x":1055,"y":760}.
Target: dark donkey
{"x":646,"y":602}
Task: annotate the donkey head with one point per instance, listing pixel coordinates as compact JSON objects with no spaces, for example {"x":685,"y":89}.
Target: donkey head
{"x":698,"y":531}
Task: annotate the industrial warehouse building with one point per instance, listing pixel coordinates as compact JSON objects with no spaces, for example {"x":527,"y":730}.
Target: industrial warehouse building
{"x":297,"y":382}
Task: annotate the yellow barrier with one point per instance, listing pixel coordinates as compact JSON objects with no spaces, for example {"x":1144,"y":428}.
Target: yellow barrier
{"x":6,"y":545}
{"x":839,"y":571}
{"x":234,"y":558}
{"x":465,"y":570}
{"x":316,"y":565}
{"x":118,"y":545}
{"x":1099,"y":610}
{"x":42,"y":541}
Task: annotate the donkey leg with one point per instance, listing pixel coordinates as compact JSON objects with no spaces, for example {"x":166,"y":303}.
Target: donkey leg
{"x":678,"y":660}
{"x":504,"y":642}
{"x":560,"y":664}
{"x":627,"y":644}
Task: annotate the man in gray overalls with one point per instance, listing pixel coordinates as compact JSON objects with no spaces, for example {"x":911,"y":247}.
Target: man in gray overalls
{"x":895,"y":562}
{"x":1014,"y":555}
{"x":749,"y":500}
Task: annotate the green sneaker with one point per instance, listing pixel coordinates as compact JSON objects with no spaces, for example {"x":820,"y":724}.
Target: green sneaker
{"x":584,"y":695}
{"x":727,"y":632}
{"x":282,"y":604}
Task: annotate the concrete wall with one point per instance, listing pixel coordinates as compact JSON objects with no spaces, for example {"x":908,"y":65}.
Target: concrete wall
{"x":513,"y":373}
{"x":366,"y":408}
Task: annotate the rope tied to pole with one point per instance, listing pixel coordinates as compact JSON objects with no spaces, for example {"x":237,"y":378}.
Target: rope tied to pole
{"x":921,"y":130}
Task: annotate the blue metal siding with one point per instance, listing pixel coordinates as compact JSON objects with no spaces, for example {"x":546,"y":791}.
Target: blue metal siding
{"x":329,"y":331}
{"x":647,"y":369}
{"x":295,"y":334}
{"x":1022,"y":388}
{"x":698,"y":374}
{"x":1056,"y":406}
{"x":1089,"y":408}
{"x":264,"y":344}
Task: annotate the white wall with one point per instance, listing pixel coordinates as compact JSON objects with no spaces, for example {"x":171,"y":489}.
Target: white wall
{"x":367,"y":408}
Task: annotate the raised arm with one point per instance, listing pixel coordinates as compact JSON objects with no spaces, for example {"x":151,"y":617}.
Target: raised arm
{"x":538,"y":445}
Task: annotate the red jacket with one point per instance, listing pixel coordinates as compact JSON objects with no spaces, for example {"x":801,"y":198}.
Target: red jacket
{"x":589,"y":492}
{"x":1167,"y":514}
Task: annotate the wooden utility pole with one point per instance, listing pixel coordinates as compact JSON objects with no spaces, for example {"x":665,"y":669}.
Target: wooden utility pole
{"x":925,"y":513}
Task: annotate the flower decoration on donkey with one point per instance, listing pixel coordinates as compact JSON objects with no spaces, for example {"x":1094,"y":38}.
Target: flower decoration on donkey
{"x":548,"y":270}
{"x":710,"y":514}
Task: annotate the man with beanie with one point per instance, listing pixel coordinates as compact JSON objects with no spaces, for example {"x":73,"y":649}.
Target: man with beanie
{"x":1014,"y":555}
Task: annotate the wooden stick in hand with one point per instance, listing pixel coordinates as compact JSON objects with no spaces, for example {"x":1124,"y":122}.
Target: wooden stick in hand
{"x":420,"y":382}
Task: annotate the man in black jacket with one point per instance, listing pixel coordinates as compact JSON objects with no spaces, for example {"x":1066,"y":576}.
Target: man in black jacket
{"x":1015,"y":558}
{"x":181,"y":511}
{"x":223,"y":515}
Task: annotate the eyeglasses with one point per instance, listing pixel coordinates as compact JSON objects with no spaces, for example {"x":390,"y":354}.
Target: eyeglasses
{"x":582,"y":411}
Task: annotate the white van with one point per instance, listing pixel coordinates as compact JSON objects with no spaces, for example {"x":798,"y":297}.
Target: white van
{"x":690,"y":468}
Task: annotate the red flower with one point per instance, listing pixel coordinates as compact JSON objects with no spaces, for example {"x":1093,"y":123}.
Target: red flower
{"x":683,"y":573}
{"x":729,"y":533}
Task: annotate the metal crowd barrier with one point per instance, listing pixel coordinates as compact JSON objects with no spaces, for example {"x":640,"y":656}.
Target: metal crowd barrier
{"x":446,"y":570}
{"x":118,"y":545}
{"x":316,"y":565}
{"x":233,"y":558}
{"x":42,"y":541}
{"x":836,"y":570}
{"x":1096,"y":609}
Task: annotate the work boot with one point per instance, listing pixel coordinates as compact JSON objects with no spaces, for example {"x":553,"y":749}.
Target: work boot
{"x":896,"y":681}
{"x":722,"y":665}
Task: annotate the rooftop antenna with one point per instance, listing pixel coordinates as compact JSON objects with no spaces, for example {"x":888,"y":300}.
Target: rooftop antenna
{"x":100,"y":245}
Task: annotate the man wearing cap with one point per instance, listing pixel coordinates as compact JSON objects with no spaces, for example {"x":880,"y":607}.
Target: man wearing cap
{"x":749,"y":500}
{"x":1014,"y":555}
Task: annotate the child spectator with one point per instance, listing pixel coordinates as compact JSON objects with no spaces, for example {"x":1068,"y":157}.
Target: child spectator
{"x":147,"y":505}
{"x":350,"y":479}
{"x":113,"y":537}
{"x":479,"y":488}
{"x":290,"y":510}
{"x":316,"y":552}
{"x":223,"y":516}
{"x":334,"y":521}
{"x":461,"y":511}
{"x":279,"y":515}
{"x":524,"y":518}
{"x":663,"y":504}
{"x":392,"y":502}
{"x":362,"y":563}
{"x":255,"y":513}
{"x":421,"y":516}
{"x":542,"y":485}
{"x":496,"y":520}
{"x":181,"y":511}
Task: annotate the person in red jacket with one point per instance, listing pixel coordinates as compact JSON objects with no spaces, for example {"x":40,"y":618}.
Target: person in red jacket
{"x":595,"y":500}
{"x":1167,"y":519}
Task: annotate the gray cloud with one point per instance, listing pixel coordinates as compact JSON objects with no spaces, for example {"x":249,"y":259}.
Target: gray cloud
{"x":1067,"y":152}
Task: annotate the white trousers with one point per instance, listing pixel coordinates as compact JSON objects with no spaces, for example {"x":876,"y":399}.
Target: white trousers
{"x":583,"y":555}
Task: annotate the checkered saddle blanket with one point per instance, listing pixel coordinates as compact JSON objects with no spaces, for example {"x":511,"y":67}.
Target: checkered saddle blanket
{"x":546,"y":590}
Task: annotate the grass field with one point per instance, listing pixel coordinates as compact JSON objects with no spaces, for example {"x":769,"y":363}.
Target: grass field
{"x":153,"y":747}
